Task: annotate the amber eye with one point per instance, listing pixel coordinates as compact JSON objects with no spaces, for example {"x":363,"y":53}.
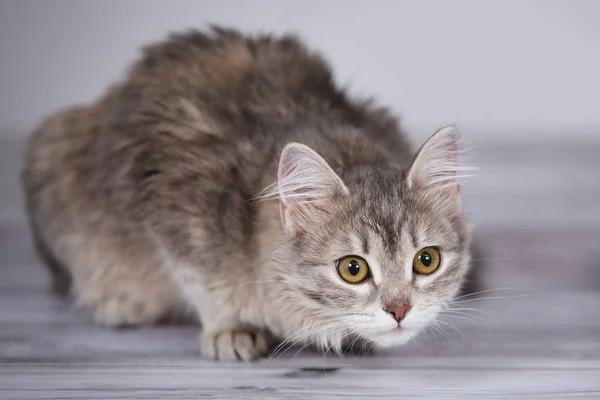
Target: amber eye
{"x":353,"y":269}
{"x":426,"y":261}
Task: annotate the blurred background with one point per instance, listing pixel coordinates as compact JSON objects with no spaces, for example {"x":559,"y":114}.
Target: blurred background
{"x":493,"y":65}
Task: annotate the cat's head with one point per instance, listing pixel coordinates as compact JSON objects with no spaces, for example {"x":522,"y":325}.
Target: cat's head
{"x":373,"y":250}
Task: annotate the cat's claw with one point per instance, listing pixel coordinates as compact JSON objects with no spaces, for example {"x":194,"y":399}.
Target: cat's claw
{"x":236,"y":345}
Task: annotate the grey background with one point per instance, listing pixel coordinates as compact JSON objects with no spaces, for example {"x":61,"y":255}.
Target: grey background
{"x":508,"y":66}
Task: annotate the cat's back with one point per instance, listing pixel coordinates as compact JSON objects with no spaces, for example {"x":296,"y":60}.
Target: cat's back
{"x":200,"y":91}
{"x":235,"y":75}
{"x":227,"y":84}
{"x":56,"y":157}
{"x":217,"y":104}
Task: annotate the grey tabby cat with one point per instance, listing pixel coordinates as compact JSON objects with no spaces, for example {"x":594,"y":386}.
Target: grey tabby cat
{"x":228,"y":178}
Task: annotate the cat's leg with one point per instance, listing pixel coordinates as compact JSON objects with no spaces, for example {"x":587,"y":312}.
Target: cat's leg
{"x":122,"y":282}
{"x":133,"y":299}
{"x":205,"y":229}
{"x":225,"y":335}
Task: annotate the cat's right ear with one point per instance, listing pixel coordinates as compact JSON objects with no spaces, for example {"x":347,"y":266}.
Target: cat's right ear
{"x":306,"y":186}
{"x":437,"y":168}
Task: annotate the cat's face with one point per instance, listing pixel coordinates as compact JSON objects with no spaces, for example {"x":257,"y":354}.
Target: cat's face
{"x":374,"y":252}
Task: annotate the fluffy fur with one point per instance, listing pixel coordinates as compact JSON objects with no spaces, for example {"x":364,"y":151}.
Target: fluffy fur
{"x":222,"y":179}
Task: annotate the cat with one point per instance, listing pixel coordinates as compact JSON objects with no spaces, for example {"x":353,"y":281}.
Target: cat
{"x":228,"y":179}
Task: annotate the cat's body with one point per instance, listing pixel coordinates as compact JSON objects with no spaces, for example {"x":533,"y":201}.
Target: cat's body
{"x":146,"y":199}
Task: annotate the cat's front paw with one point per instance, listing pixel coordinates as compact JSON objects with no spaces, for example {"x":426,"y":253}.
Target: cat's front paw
{"x":236,"y":345}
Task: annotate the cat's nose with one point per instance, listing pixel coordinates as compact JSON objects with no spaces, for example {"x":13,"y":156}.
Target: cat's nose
{"x":398,"y":312}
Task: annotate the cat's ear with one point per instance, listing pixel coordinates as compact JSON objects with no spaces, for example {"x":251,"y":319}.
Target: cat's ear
{"x":437,"y":167}
{"x":307,"y":187}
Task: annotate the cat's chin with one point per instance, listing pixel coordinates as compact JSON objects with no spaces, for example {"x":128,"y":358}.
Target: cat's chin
{"x":393,"y":338}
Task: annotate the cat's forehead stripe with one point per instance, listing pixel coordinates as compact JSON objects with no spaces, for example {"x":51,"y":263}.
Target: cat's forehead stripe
{"x":413,"y":237}
{"x":365,"y":242}
{"x":392,"y":232}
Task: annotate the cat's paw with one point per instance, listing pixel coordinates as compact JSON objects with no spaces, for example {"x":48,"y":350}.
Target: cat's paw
{"x":121,"y":311}
{"x":236,"y":345}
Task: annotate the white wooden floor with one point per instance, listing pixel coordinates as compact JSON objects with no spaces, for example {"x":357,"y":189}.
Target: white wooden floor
{"x":534,"y":334}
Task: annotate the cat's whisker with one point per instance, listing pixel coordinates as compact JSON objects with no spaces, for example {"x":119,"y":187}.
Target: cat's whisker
{"x":449,"y":325}
{"x":492,"y":298}
{"x":282,"y":347}
{"x":468,"y":317}
{"x":451,"y":340}
{"x":326,"y":350}
{"x":289,"y":342}
{"x":469,"y":310}
{"x":473,"y":312}
{"x":441,"y":332}
{"x":351,"y":345}
{"x":499,"y":289}
{"x":431,"y":327}
{"x":438,"y":330}
{"x":336,"y":342}
{"x":348,"y":333}
{"x":331,"y":346}
{"x":415,"y":340}
{"x":314,"y":340}
{"x":465,"y":317}
{"x":533,"y":292}
{"x":485,"y":291}
{"x":293,"y":341}
{"x":304,"y":347}
{"x":371,"y":350}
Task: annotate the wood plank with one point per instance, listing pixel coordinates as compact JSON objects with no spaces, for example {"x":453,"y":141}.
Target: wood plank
{"x":270,"y":382}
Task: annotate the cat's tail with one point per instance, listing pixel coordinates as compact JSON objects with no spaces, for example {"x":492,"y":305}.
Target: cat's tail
{"x":59,"y":273}
{"x":45,"y":167}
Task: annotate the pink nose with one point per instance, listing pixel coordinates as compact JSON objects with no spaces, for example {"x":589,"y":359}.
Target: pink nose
{"x":398,"y":312}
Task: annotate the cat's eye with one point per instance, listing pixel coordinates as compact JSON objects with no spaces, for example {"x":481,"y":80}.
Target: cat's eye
{"x":426,"y":261}
{"x":353,"y":269}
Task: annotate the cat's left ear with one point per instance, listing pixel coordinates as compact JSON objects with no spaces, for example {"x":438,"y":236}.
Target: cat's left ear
{"x":307,"y":188}
{"x":436,"y":167}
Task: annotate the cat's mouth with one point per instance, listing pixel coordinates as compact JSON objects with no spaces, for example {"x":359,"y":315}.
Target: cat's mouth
{"x":395,"y":331}
{"x":398,"y":330}
{"x":396,"y":336}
